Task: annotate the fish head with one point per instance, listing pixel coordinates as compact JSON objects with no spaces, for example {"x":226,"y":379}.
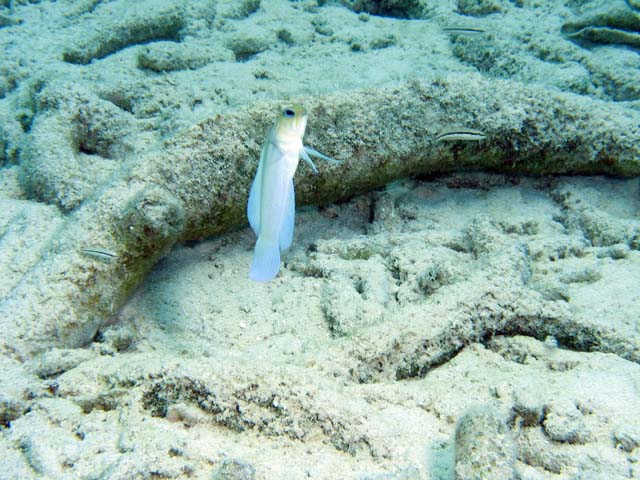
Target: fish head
{"x":291,"y":124}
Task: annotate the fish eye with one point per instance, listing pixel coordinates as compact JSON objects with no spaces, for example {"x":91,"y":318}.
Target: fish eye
{"x":288,"y":112}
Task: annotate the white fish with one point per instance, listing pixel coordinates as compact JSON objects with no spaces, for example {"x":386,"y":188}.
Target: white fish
{"x":272,"y":204}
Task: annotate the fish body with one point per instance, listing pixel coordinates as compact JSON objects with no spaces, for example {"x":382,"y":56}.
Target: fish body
{"x":460,"y":133}
{"x":461,"y":30}
{"x":100,"y":254}
{"x":272,"y":202}
{"x":271,"y":206}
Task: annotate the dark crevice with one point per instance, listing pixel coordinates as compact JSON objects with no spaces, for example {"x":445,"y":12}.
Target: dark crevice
{"x":244,"y":56}
{"x":418,"y":360}
{"x":408,"y":9}
{"x":25,"y":118}
{"x":420,"y":371}
{"x":372,"y":207}
{"x":82,"y":148}
{"x":121,"y":100}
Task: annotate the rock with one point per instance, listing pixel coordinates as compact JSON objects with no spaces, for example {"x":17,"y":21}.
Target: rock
{"x":355,"y":295}
{"x":233,"y":469}
{"x":627,"y":437}
{"x":484,"y":446}
{"x":75,"y":145}
{"x":246,"y":46}
{"x":480,"y":8}
{"x":56,"y":361}
{"x":19,"y":388}
{"x":563,"y":423}
{"x":614,"y":25}
{"x":139,"y":217}
{"x":386,"y":8}
{"x":610,"y":23}
{"x":26,"y":227}
{"x":172,"y":56}
{"x":145,"y":22}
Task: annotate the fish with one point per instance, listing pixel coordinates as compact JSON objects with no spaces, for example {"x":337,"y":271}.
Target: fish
{"x":100,"y":253}
{"x":272,"y":203}
{"x":463,"y":30}
{"x":460,"y":133}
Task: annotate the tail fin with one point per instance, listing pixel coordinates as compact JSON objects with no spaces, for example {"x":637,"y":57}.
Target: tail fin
{"x":266,"y":261}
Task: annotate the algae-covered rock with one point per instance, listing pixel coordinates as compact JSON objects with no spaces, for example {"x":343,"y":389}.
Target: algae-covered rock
{"x":76,"y":143}
{"x":141,"y":22}
{"x":198,"y":184}
{"x":387,"y":8}
{"x":481,"y":8}
{"x":171,"y":56}
{"x":606,"y":22}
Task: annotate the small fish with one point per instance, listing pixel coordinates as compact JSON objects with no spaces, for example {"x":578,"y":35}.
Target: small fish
{"x":463,"y":30}
{"x":100,"y":253}
{"x":460,"y":133}
{"x":271,"y":206}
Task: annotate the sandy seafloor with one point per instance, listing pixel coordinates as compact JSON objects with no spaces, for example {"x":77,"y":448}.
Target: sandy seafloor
{"x":469,"y":324}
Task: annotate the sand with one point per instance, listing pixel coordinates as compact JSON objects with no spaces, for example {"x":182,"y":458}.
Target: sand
{"x":475,"y":322}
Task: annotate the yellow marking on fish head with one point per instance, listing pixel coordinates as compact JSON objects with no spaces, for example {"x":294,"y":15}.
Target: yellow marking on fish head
{"x":291,"y":123}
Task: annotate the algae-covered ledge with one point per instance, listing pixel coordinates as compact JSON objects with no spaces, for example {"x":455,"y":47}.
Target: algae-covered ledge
{"x":197,"y":184}
{"x":385,"y":134}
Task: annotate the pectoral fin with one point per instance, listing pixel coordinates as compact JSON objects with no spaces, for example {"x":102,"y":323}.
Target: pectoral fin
{"x":305,"y":156}
{"x":314,"y":153}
